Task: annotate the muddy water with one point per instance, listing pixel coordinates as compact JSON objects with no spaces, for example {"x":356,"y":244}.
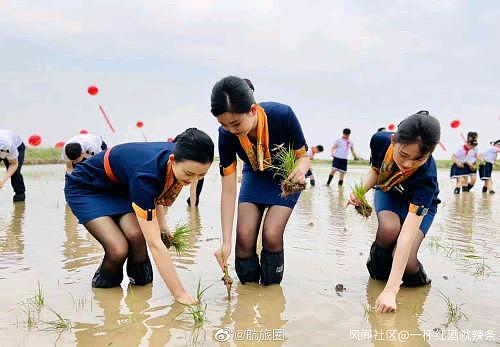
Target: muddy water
{"x":326,"y":245}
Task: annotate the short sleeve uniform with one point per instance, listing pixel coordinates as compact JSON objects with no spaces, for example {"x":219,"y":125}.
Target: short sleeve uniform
{"x":420,"y":190}
{"x":9,"y":143}
{"x":261,"y":187}
{"x":140,"y":171}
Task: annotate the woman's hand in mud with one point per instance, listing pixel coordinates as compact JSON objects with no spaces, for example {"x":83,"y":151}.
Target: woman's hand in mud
{"x":186,"y":299}
{"x":222,"y":255}
{"x":386,"y":302}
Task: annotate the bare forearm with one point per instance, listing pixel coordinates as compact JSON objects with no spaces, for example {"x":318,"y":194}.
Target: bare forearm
{"x":161,"y":217}
{"x":401,"y":254}
{"x":166,"y":268}
{"x":192,"y":194}
{"x":228,"y":201}
{"x":370,"y":179}
{"x":304,"y":163}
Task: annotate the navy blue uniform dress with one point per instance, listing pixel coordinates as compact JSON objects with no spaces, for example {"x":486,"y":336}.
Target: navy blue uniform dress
{"x":262,"y":187}
{"x":140,"y":172}
{"x":420,"y":190}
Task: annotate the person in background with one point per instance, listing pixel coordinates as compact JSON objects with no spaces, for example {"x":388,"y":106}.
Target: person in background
{"x":340,"y":152}
{"x":12,"y":151}
{"x":311,"y":152}
{"x":81,"y":147}
{"x":488,"y":159}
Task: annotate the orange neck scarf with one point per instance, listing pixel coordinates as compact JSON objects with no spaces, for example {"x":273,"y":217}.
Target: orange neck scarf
{"x":171,"y":190}
{"x":390,"y":174}
{"x":258,"y":155}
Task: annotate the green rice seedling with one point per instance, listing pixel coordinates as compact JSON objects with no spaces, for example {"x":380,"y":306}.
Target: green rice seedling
{"x":364,"y":207}
{"x":38,"y":299}
{"x":198,"y":311}
{"x":31,"y":317}
{"x":367,"y":309}
{"x":179,"y":239}
{"x":454,"y":311}
{"x":286,"y":162}
{"x":477,"y":164}
{"x":480,"y":269}
{"x":60,"y":324}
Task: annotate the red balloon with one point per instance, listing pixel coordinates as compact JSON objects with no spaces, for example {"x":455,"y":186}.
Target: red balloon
{"x":391,"y":127}
{"x":455,"y":123}
{"x":139,"y":124}
{"x":83,"y":131}
{"x":59,"y":144}
{"x":93,"y":90}
{"x":35,"y":140}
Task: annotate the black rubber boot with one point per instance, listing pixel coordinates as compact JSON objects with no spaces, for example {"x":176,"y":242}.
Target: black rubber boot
{"x":379,"y":262}
{"x":418,"y":279}
{"x":140,"y":274}
{"x":313,"y":182}
{"x":272,"y":267}
{"x":330,"y":177}
{"x":248,"y":270}
{"x":341,"y":182}
{"x":456,"y":190}
{"x":102,"y":280}
{"x":465,"y":189}
{"x":19,"y":197}
{"x":469,"y":187}
{"x":485,"y":189}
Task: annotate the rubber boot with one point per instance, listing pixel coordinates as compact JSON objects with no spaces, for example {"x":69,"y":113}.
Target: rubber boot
{"x":248,"y":269}
{"x":379,"y":262}
{"x":272,"y":267}
{"x":417,"y":279}
{"x":140,"y":274}
{"x":102,"y":280}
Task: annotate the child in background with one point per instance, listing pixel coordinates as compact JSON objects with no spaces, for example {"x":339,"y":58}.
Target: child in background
{"x":488,"y":158}
{"x":311,"y":152}
{"x":340,"y":152}
{"x":81,"y":147}
{"x":462,"y":168}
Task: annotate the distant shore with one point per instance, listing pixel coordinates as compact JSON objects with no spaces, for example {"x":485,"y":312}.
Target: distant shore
{"x":40,"y":156}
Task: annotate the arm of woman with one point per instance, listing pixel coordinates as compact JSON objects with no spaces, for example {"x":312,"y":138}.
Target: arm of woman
{"x":368,"y":182}
{"x":13,"y":165}
{"x":162,"y":219}
{"x":228,"y":200}
{"x":164,"y":264}
{"x":299,"y":173}
{"x":386,"y":301}
{"x":192,"y":194}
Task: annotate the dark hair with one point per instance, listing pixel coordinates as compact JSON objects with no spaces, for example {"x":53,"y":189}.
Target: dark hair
{"x":381,"y":129}
{"x":421,"y":128}
{"x":231,"y":94}
{"x":73,"y":150}
{"x":346,"y":131}
{"x":193,"y":144}
{"x":494,"y":143}
{"x":319,"y":148}
{"x":250,"y":84}
{"x":472,"y":138}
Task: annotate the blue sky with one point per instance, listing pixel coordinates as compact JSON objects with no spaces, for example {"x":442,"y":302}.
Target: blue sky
{"x":357,"y":64}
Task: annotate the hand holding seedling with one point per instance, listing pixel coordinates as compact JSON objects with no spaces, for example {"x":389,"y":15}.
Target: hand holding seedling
{"x":222,"y":254}
{"x":386,"y":302}
{"x":228,"y":281}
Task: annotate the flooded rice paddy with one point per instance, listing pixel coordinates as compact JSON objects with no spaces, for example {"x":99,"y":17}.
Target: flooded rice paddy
{"x":47,"y":261}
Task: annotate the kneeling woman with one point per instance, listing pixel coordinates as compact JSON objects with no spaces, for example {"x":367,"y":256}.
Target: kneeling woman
{"x":118,"y":196}
{"x":406,"y":198}
{"x":251,"y":131}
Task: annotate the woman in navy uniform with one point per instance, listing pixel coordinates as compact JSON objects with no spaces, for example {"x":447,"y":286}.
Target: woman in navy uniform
{"x":118,"y":196}
{"x":404,"y":175}
{"x":251,"y":131}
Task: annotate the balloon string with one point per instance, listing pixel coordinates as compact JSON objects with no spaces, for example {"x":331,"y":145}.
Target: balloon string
{"x":144,"y":135}
{"x":463,"y":137}
{"x":106,"y":118}
{"x":442,"y":146}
